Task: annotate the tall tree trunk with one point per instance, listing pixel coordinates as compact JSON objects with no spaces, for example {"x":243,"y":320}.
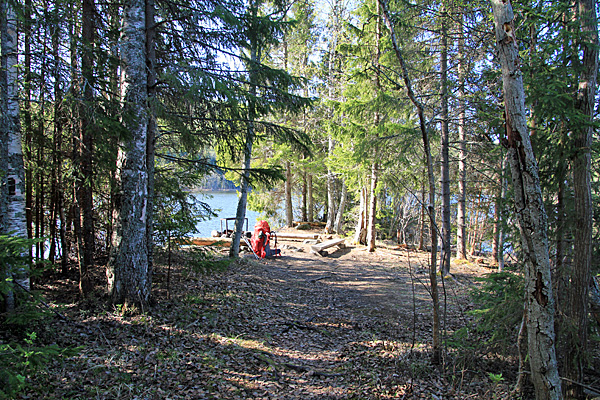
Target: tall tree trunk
{"x":115,"y":96}
{"x":15,"y":222}
{"x":289,"y":210}
{"x":240,"y":214}
{"x":85,"y":174}
{"x":59,"y":120}
{"x":360,"y":232}
{"x":436,"y":342}
{"x":255,"y":52}
{"x":530,"y":211}
{"x":561,"y":274}
{"x":372,"y":212}
{"x":502,"y":214}
{"x":40,"y":193}
{"x":563,"y":224}
{"x":422,"y":217}
{"x":129,"y":279}
{"x":303,"y":213}
{"x":582,"y":143}
{"x":330,"y":191}
{"x":461,"y":234}
{"x":372,"y":209}
{"x":498,"y":237}
{"x":152,"y":126}
{"x":74,"y":211}
{"x":309,"y":193}
{"x":56,"y":138}
{"x":445,"y":162}
{"x":28,"y":121}
{"x":331,"y":94}
{"x":339,"y":218}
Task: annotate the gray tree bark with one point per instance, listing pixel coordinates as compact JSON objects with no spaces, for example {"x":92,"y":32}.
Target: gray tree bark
{"x":129,"y":277}
{"x":289,"y":210}
{"x":360,"y":233}
{"x":339,"y":217}
{"x":498,"y":234}
{"x":445,"y":152}
{"x":303,"y":213}
{"x":240,"y":215}
{"x":372,"y":208}
{"x":530,"y":211}
{"x":372,"y":212}
{"x":330,"y":191}
{"x":309,"y":193}
{"x":461,"y":232}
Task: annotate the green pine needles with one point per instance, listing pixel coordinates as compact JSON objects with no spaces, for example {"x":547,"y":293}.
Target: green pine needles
{"x":498,"y":309}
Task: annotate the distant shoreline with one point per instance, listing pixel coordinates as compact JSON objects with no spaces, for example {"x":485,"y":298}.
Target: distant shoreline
{"x":212,"y":190}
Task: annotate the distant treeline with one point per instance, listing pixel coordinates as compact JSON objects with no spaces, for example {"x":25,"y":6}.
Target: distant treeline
{"x":217,"y":181}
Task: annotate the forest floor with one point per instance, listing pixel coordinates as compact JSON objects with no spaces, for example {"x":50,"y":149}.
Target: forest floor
{"x":349,"y":325}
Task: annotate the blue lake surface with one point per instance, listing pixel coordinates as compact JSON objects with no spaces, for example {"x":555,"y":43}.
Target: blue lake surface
{"x":225,"y":205}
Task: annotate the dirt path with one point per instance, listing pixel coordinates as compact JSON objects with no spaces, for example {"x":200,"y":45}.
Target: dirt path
{"x":351,"y":325}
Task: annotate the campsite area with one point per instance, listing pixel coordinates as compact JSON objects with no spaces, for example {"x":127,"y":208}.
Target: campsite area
{"x":347,"y":325}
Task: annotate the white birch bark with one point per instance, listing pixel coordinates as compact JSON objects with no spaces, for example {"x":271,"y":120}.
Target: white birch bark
{"x":530,"y":211}
{"x":129,"y":278}
{"x":15,"y":222}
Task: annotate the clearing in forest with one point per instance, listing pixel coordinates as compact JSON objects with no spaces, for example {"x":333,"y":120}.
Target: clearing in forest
{"x":350,"y":325}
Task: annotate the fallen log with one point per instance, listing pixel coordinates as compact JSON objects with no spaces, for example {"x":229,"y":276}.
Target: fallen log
{"x":297,"y":236}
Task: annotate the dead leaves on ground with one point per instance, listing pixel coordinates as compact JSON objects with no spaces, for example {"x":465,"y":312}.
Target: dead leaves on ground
{"x":256,"y":331}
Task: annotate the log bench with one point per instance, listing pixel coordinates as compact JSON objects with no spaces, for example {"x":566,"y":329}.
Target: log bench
{"x":318,"y":248}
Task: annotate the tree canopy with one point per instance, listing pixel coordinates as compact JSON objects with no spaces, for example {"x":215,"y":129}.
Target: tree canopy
{"x":466,"y":129}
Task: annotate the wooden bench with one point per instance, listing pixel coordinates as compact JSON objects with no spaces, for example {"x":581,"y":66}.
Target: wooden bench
{"x":318,"y":248}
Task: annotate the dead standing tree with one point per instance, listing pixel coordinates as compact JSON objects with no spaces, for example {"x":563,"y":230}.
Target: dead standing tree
{"x":530,"y":211}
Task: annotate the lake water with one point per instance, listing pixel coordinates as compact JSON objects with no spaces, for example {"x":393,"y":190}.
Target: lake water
{"x":225,"y":205}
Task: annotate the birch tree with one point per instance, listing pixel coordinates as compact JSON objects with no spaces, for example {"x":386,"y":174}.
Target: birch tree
{"x":13,"y":178}
{"x":529,"y":208}
{"x":129,"y":275}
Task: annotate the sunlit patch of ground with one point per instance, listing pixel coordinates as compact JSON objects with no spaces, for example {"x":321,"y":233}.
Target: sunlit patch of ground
{"x":351,"y":325}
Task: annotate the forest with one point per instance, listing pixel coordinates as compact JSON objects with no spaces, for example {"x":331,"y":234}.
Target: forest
{"x":452,"y":145}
